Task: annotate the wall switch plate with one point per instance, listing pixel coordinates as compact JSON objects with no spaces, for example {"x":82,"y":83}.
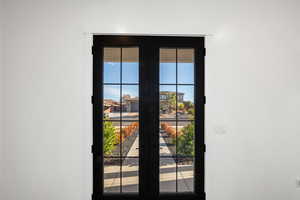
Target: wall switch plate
{"x":298,"y":183}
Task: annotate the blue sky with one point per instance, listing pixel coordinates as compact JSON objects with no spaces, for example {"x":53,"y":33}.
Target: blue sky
{"x":185,"y":73}
{"x":130,"y":75}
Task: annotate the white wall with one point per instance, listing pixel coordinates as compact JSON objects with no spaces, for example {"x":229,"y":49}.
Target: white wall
{"x":1,"y":97}
{"x":253,"y":92}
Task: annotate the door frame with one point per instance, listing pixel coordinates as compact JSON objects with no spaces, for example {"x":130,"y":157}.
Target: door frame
{"x":148,"y":112}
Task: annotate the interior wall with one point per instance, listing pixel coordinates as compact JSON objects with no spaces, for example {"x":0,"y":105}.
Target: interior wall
{"x":252,"y":88}
{"x":1,"y":97}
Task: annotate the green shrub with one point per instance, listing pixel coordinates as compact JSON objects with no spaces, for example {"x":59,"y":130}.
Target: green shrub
{"x":180,"y":106}
{"x":191,"y":111}
{"x":109,"y":138}
{"x":185,"y":142}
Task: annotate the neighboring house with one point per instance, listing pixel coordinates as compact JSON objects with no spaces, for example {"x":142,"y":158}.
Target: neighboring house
{"x":111,"y":106}
{"x":166,"y":95}
{"x":131,"y":104}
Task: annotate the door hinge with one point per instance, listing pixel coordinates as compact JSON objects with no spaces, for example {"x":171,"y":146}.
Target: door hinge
{"x":204,"y":51}
{"x":92,"y":99}
{"x":204,"y":147}
{"x":95,"y":150}
{"x":92,"y":149}
{"x":95,"y":197}
{"x":93,"y":50}
{"x":204,"y":100}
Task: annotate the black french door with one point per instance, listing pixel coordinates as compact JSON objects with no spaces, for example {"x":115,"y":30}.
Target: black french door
{"x":148,"y":117}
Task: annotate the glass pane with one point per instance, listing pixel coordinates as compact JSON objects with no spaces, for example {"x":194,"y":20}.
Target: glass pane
{"x":185,"y":66}
{"x":130,"y":175}
{"x":185,"y":139}
{"x":121,"y":133}
{"x":167,"y":143}
{"x":111,"y":101}
{"x":167,"y":66}
{"x":167,"y":175}
{"x":176,"y":115}
{"x":112,"y":175}
{"x":112,"y":65}
{"x":130,"y":65}
{"x":167,"y":105}
{"x":112,"y":138}
{"x":130,"y":102}
{"x":167,"y":140}
{"x":180,"y":149}
{"x":130,"y":165}
{"x":185,"y":103}
{"x":185,"y":175}
{"x":130,"y":138}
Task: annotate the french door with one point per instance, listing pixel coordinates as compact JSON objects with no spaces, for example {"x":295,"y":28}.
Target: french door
{"x":148,"y":117}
